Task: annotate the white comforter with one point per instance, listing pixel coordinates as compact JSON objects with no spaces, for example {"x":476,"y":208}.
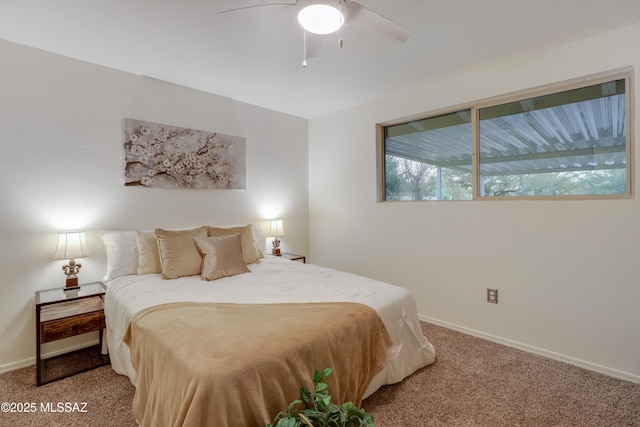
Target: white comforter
{"x":275,"y":280}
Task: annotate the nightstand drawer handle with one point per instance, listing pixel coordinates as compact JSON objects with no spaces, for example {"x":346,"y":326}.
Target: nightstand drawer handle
{"x":76,"y":326}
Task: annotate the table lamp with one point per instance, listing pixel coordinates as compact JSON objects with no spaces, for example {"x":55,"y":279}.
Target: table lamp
{"x":71,"y":245}
{"x":275,"y":230}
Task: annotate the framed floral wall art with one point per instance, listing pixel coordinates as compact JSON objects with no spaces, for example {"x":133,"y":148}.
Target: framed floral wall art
{"x":164,"y":156}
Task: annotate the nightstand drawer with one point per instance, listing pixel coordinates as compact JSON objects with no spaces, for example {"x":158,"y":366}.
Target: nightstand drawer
{"x":71,"y":326}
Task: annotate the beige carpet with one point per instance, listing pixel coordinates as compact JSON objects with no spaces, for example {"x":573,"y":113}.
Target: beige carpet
{"x":473,"y":383}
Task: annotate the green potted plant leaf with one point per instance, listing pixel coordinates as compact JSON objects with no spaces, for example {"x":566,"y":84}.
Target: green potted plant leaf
{"x":319,"y":411}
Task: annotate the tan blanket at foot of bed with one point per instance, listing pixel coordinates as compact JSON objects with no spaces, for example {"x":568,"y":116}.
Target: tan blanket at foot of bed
{"x":203,"y":364}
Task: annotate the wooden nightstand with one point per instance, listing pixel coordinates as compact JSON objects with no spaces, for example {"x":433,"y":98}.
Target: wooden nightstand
{"x":62,"y":314}
{"x":294,"y":257}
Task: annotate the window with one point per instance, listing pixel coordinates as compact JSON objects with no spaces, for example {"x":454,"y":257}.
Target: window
{"x":429,"y":159}
{"x":572,"y":142}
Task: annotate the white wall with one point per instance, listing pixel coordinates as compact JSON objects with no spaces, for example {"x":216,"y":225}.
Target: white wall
{"x":567,"y":271}
{"x":61,"y":167}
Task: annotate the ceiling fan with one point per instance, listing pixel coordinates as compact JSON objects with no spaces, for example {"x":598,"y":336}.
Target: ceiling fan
{"x":328,"y":16}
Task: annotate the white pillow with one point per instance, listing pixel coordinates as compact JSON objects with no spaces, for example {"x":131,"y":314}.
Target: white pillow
{"x":122,"y":253}
{"x":258,"y":236}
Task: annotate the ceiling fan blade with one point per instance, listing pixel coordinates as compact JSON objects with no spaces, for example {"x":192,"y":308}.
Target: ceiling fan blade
{"x":290,"y":3}
{"x":368,"y":20}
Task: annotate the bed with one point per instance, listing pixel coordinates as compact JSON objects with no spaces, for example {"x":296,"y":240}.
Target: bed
{"x":368,"y":330}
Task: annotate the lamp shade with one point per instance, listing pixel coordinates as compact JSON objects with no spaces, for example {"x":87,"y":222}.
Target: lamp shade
{"x":275,"y":228}
{"x":71,"y":245}
{"x":320,"y":19}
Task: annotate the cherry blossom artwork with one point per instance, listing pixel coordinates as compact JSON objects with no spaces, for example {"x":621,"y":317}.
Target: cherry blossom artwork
{"x":164,"y":156}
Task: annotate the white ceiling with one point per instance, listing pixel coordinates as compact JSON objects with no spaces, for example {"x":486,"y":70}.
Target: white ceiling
{"x":255,"y":55}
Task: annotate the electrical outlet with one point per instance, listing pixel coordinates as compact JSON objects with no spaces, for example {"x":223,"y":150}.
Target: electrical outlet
{"x":492,"y":296}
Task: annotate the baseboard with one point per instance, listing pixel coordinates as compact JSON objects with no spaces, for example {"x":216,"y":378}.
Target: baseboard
{"x":535,"y":350}
{"x":31,"y":361}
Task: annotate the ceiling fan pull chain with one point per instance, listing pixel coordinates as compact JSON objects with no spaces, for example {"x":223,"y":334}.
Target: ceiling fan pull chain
{"x":304,"y":40}
{"x":340,"y":41}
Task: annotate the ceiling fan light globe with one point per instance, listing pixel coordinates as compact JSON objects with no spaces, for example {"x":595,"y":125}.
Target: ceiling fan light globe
{"x":321,"y":19}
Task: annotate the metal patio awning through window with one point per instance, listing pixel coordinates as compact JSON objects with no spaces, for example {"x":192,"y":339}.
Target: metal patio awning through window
{"x":589,"y":134}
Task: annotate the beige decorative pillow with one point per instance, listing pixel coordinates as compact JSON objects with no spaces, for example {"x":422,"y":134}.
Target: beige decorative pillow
{"x":250,"y":250}
{"x":179,"y":255}
{"x":148,"y":255}
{"x":222,"y":256}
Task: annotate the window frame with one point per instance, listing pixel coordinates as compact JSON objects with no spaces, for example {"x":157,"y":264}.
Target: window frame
{"x":625,"y":74}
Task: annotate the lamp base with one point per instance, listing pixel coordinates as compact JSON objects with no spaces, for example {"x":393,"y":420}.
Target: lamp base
{"x":275,"y":251}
